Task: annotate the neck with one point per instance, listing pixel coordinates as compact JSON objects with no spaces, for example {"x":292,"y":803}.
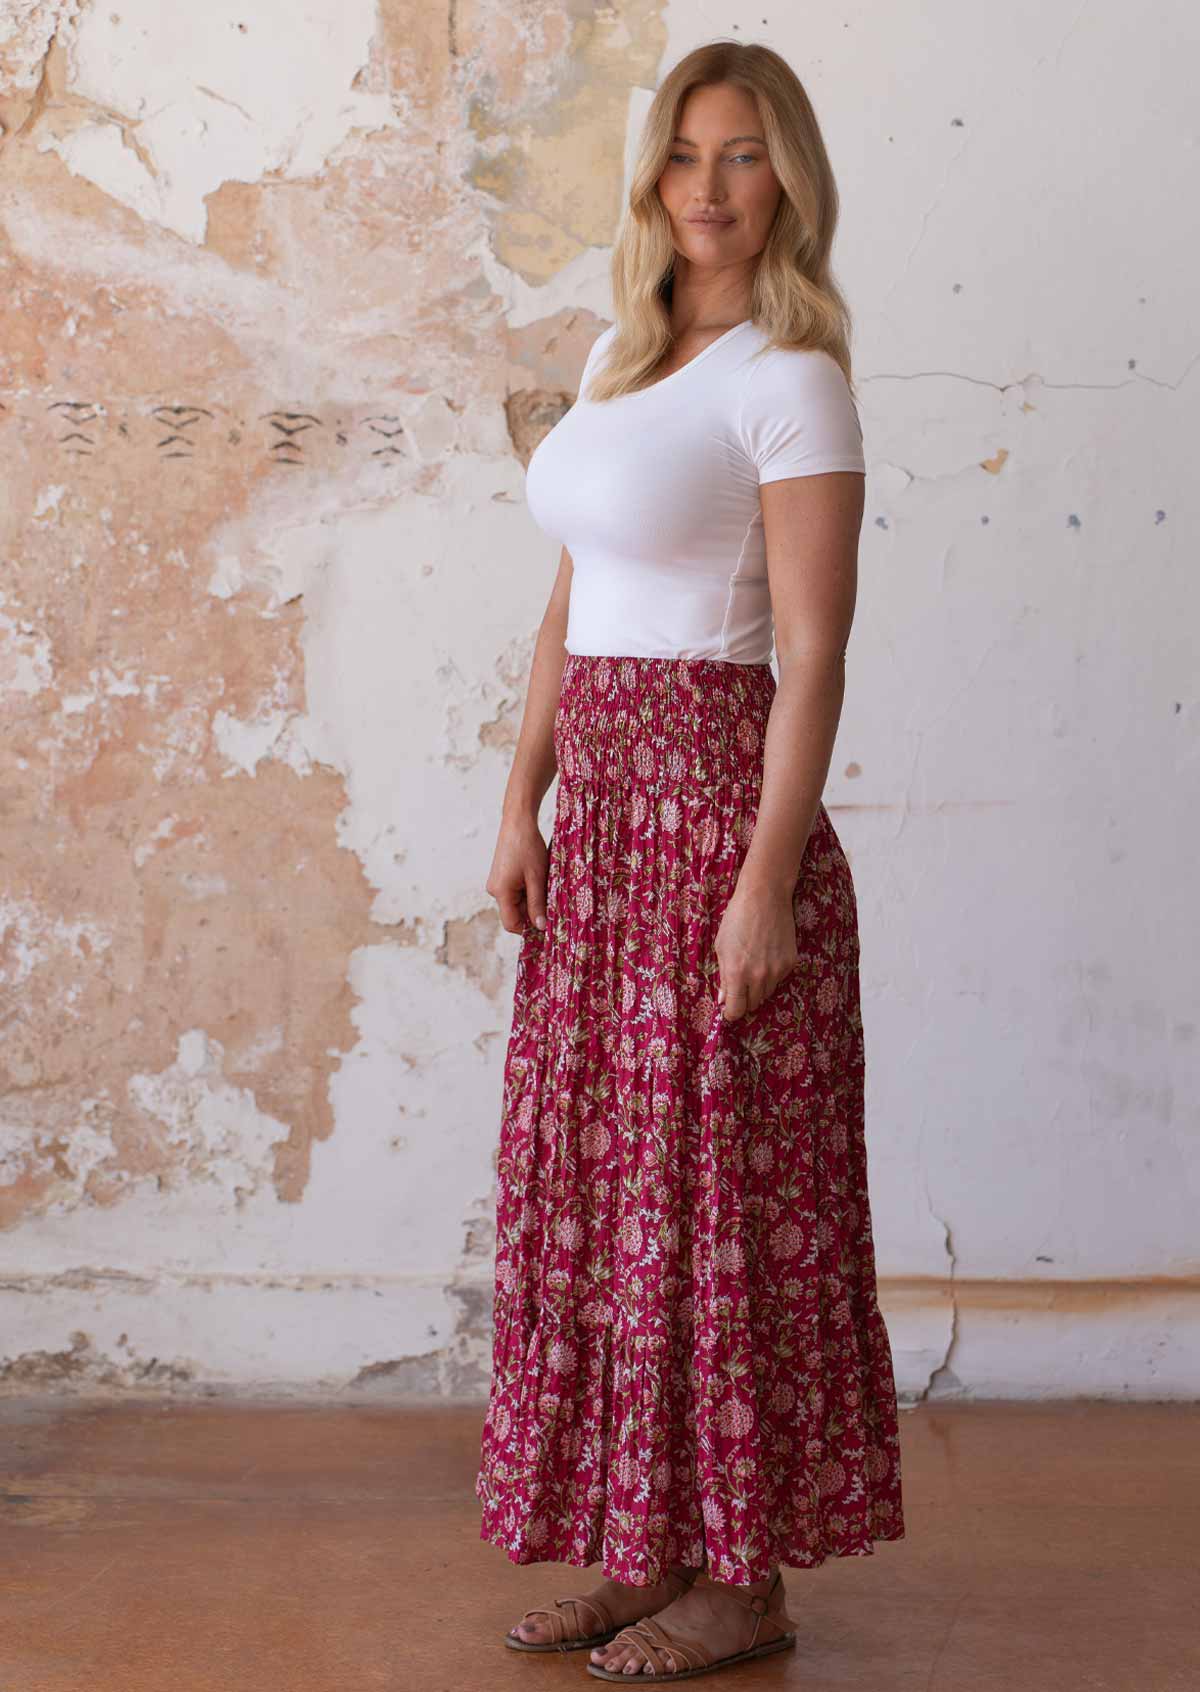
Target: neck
{"x":708,"y":299}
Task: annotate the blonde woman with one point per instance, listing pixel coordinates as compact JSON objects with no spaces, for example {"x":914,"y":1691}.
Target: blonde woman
{"x":692,"y":1382}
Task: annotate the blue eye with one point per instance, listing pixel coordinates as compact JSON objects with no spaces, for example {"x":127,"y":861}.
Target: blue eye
{"x":685,"y":158}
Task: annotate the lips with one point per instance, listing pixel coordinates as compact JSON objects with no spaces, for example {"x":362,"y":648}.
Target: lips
{"x":719,"y":221}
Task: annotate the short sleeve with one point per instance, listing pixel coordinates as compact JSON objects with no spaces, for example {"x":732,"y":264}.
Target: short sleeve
{"x":798,"y":416}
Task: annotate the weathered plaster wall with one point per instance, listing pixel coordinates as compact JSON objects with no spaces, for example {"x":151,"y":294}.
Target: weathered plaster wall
{"x":288,"y":296}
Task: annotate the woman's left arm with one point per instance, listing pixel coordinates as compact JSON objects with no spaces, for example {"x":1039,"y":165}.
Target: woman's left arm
{"x":811,"y":526}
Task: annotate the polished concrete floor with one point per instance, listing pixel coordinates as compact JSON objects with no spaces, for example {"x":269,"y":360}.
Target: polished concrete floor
{"x":191,"y":1547}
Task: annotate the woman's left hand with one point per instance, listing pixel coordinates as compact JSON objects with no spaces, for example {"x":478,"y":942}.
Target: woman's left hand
{"x":755,"y":948}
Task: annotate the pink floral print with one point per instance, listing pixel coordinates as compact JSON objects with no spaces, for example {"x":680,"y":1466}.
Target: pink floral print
{"x":689,"y":1360}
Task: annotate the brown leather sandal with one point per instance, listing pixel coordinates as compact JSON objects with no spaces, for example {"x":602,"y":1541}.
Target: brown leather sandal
{"x":564,"y":1640}
{"x":653,"y":1640}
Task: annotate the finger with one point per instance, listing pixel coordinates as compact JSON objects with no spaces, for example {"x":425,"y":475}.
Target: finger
{"x":535,"y":900}
{"x":512,"y":912}
{"x":764,"y":993}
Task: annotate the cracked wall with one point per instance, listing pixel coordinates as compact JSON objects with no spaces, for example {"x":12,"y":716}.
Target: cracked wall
{"x":289,"y":298}
{"x":265,"y":623}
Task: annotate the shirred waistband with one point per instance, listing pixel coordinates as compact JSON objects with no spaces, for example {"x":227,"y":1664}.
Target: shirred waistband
{"x":662,"y":723}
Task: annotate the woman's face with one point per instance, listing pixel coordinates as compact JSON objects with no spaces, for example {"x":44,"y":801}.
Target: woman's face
{"x":718,"y":187}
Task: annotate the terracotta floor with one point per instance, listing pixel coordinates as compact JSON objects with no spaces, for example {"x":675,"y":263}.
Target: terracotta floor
{"x":191,"y":1547}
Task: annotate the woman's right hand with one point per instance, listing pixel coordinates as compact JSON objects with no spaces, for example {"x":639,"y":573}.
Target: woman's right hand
{"x":517,"y":880}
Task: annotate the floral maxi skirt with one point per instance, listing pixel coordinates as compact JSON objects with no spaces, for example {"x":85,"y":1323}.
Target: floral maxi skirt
{"x":689,"y":1361}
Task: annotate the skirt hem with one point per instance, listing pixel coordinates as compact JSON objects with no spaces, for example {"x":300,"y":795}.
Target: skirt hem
{"x":784,"y":1559}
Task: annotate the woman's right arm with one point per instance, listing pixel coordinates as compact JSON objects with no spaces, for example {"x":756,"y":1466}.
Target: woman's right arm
{"x":517,"y":880}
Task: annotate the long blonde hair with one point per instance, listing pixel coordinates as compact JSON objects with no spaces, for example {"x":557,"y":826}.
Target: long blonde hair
{"x":794,"y":297}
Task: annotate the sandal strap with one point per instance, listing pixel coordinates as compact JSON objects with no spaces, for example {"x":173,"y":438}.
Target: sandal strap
{"x":559,"y":1627}
{"x":652,"y":1639}
{"x":599,"y":1610}
{"x":759,"y":1602}
{"x":554,"y":1617}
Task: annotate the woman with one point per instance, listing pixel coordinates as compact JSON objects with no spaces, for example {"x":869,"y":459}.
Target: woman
{"x":692,"y":1381}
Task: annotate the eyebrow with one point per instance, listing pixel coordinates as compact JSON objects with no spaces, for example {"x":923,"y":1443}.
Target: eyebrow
{"x":684,"y":142}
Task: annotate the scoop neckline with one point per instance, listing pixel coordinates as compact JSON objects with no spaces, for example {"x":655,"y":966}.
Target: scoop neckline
{"x":702,"y":354}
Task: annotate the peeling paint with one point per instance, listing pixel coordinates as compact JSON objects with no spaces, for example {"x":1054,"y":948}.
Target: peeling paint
{"x":219,"y":426}
{"x":280,"y":335}
{"x":460,"y":1368}
{"x":160,"y":109}
{"x":547,"y":112}
{"x":80,"y":1365}
{"x":469,"y":944}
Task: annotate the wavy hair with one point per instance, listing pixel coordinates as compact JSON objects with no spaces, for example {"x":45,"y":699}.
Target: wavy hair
{"x":794,"y":298}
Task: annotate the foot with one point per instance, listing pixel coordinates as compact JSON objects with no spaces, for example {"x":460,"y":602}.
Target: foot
{"x":624,"y":1603}
{"x":705,"y":1614}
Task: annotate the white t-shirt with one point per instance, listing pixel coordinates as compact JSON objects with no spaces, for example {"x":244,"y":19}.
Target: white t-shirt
{"x":655,"y":495}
